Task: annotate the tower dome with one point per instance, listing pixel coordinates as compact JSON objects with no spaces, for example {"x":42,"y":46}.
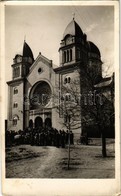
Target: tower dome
{"x":27,"y":52}
{"x":93,"y":48}
{"x":25,"y":55}
{"x":73,"y":29}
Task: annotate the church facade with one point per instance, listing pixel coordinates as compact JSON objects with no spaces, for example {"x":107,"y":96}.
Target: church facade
{"x":35,"y":82}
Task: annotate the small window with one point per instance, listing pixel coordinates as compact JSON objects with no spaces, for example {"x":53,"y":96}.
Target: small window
{"x":40,"y":70}
{"x":15,"y":105}
{"x":68,"y":97}
{"x":16,"y":72}
{"x":67,"y":55}
{"x":15,"y":119}
{"x":65,"y":119}
{"x":64,"y":56}
{"x":15,"y":90}
{"x":67,"y":80}
{"x":62,"y":98}
{"x":14,"y":122}
{"x":70,"y":54}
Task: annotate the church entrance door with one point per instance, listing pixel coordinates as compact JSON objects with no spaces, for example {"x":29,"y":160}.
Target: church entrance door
{"x":38,"y":122}
{"x":31,"y":124}
{"x":48,"y":123}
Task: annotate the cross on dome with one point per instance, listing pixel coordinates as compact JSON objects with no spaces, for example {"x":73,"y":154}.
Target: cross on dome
{"x":24,"y":38}
{"x":73,"y":14}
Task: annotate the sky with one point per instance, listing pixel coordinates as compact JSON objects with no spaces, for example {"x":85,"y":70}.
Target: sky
{"x":43,"y":26}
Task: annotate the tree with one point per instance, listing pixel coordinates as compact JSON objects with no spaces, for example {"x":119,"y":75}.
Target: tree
{"x":82,"y":104}
{"x":101,"y":109}
{"x":67,"y":104}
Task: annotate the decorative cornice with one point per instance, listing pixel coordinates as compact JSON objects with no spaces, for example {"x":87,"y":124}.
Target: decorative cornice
{"x":16,"y":81}
{"x":66,"y":67}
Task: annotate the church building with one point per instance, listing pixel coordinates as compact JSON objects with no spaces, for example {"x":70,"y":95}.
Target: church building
{"x":35,"y":81}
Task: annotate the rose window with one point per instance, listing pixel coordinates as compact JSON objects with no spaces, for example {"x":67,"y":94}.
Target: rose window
{"x":40,"y":95}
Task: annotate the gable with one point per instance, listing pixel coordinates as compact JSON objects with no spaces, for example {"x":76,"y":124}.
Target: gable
{"x":42,"y":59}
{"x":41,"y":70}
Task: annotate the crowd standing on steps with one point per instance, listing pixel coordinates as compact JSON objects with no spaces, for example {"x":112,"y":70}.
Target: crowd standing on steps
{"x":39,"y":137}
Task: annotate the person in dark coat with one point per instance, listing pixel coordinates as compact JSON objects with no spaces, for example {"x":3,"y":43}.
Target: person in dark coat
{"x":57,"y":139}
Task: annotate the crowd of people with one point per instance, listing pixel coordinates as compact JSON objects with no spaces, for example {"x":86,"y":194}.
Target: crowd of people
{"x":40,"y":137}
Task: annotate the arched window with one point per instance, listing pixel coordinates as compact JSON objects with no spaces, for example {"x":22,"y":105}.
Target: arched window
{"x":69,"y":79}
{"x":15,"y":90}
{"x":14,"y":72}
{"x":67,"y":55}
{"x":70,"y":54}
{"x":64,"y":56}
{"x":15,"y":119}
{"x":62,"y":98}
{"x":15,"y":105}
{"x":68,"y":97}
{"x":65,"y":81}
{"x":18,"y":72}
{"x":65,"y":118}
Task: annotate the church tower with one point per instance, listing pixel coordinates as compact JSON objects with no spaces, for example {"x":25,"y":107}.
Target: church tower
{"x":73,"y":47}
{"x":16,"y":88}
{"x":22,"y":63}
{"x":73,"y":52}
{"x":80,"y":62}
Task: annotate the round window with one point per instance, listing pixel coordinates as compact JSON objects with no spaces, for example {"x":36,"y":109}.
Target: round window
{"x":39,"y":70}
{"x":40,"y":95}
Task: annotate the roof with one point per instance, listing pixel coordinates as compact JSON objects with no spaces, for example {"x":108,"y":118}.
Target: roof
{"x":27,"y":52}
{"x":93,"y":48}
{"x":104,"y":83}
{"x":73,"y":29}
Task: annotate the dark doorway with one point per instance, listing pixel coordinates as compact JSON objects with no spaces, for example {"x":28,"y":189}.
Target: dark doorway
{"x":48,"y":123}
{"x":31,"y":123}
{"x":38,"y":122}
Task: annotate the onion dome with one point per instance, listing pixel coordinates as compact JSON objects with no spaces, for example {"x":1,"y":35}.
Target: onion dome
{"x":73,"y":29}
{"x":27,"y":52}
{"x":93,"y":48}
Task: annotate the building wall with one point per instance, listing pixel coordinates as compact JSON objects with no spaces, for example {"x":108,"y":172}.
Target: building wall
{"x":47,"y":74}
{"x":58,"y":118}
{"x":18,"y":111}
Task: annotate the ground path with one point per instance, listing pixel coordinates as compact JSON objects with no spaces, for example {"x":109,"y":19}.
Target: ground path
{"x":27,"y":161}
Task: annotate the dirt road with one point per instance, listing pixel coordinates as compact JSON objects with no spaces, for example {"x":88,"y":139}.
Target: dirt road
{"x":27,"y":161}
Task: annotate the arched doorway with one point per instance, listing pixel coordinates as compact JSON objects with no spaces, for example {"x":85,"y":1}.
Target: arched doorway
{"x":38,"y":122}
{"x":31,"y":123}
{"x":48,"y":123}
